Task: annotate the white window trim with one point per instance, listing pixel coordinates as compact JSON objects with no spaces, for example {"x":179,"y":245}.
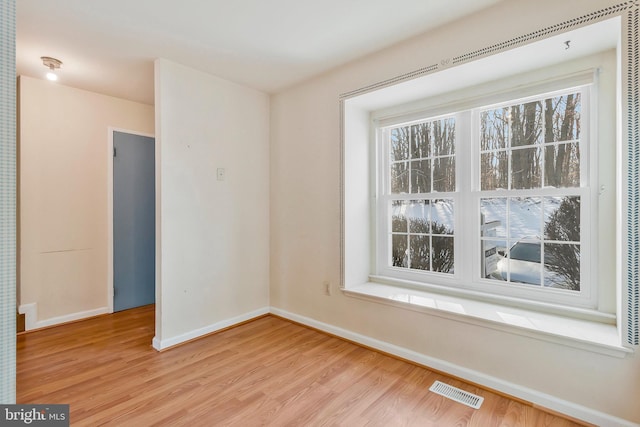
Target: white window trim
{"x":582,"y":333}
{"x":356,"y":266}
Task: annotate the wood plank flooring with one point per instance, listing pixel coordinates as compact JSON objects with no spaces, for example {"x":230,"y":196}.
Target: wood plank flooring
{"x":265,"y":372}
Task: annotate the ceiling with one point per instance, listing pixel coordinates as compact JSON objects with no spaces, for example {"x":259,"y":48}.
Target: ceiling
{"x":108,"y":46}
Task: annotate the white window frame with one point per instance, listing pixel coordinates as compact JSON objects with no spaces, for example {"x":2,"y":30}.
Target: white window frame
{"x":466,"y":276}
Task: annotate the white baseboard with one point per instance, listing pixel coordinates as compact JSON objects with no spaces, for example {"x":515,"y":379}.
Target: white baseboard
{"x":163,"y":344}
{"x":30,"y":312}
{"x":520,"y":392}
{"x":31,"y":321}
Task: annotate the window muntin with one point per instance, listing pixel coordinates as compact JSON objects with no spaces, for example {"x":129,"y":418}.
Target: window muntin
{"x":529,"y":189}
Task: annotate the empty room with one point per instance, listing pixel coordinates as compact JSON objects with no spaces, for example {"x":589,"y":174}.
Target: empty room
{"x":312,"y":213}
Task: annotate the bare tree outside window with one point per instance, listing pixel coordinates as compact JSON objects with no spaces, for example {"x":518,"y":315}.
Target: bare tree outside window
{"x":524,"y":142}
{"x":494,"y":137}
{"x":423,"y":157}
{"x":562,"y":125}
{"x":526,"y":131}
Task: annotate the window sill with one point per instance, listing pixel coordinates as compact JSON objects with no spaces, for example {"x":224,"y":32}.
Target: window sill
{"x":583,"y":334}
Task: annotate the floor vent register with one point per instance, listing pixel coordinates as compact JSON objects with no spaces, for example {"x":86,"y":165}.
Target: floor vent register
{"x":456,"y":394}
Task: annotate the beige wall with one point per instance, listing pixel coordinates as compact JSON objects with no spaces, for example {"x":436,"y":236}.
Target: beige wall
{"x":213,"y":236}
{"x":63,"y":195}
{"x":305,"y":226}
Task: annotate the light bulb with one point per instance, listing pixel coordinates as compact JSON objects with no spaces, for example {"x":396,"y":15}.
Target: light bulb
{"x":52,"y":76}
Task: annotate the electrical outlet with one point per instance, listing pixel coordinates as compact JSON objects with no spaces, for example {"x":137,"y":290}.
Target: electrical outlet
{"x":327,"y":287}
{"x":220,"y":173}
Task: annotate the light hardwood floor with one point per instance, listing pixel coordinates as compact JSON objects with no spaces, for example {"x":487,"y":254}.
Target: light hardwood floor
{"x":266,"y":372}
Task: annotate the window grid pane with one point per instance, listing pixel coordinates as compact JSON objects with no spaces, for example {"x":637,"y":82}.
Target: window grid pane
{"x":422,"y":236}
{"x":422,"y":157}
{"x":531,"y":145}
{"x":542,"y":245}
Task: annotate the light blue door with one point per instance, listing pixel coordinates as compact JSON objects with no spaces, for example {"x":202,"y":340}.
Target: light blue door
{"x":134,"y":225}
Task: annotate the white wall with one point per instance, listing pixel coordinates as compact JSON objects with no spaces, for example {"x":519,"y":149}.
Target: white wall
{"x":305,"y":225}
{"x":63,"y":196}
{"x":213,"y":236}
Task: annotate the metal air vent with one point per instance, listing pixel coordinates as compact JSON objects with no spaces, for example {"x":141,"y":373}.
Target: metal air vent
{"x":456,"y":394}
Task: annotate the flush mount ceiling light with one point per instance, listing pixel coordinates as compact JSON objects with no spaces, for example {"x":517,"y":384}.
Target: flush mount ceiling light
{"x":52,"y":64}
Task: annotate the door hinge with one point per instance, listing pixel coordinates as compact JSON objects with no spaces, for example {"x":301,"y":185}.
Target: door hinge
{"x":114,"y":151}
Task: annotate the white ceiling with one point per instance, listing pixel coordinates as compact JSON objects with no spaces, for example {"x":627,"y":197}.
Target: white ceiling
{"x":108,"y":46}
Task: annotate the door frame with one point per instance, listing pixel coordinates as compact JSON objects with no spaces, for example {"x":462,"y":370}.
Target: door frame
{"x":110,"y":131}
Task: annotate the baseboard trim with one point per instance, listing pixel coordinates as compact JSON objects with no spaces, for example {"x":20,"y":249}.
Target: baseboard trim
{"x":541,"y":400}
{"x":30,"y":312}
{"x":164,"y":344}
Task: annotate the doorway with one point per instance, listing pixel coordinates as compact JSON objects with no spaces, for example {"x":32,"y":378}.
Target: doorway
{"x":134,"y":228}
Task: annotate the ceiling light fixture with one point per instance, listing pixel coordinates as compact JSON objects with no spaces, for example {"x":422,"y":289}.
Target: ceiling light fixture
{"x":52,"y":64}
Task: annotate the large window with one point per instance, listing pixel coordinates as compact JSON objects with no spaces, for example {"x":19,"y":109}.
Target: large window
{"x":497,"y":189}
{"x":494,"y":197}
